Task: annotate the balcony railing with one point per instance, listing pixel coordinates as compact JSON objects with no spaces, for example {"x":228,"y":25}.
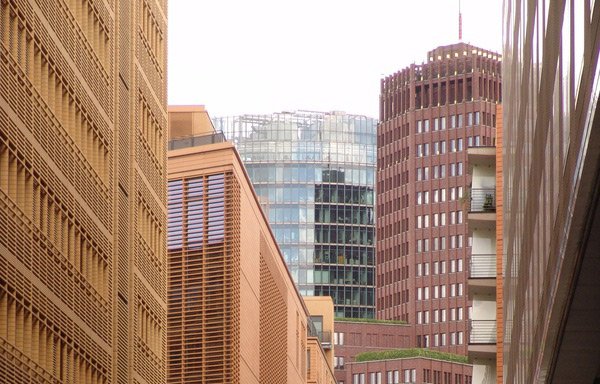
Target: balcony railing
{"x":482,"y":332}
{"x":323,"y":336}
{"x":483,"y":200}
{"x":197,"y":141}
{"x":482,"y":266}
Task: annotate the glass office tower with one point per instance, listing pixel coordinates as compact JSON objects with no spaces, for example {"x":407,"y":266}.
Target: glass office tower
{"x":314,"y":175}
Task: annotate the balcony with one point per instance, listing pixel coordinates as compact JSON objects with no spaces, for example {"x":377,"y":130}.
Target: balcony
{"x":323,"y":336}
{"x":483,"y":200}
{"x":482,"y":275}
{"x":482,"y":209}
{"x":482,"y":339}
{"x":482,"y":332}
{"x":482,"y":266}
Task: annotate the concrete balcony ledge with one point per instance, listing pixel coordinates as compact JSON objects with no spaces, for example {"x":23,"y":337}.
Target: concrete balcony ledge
{"x":482,"y":156}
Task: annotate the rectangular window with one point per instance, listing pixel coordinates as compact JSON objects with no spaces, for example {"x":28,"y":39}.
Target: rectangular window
{"x":419,"y":126}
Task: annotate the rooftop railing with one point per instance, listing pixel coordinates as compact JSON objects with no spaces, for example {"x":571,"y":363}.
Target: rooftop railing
{"x":197,"y":141}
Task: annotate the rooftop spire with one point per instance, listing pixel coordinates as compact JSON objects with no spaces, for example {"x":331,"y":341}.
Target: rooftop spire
{"x":459,"y":23}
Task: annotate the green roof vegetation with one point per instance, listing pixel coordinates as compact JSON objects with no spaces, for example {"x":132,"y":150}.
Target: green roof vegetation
{"x":410,"y":352}
{"x":376,"y":321}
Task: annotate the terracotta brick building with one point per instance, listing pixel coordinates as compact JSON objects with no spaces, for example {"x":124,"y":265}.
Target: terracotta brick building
{"x":408,"y":370}
{"x":429,"y":115}
{"x":82,"y":191}
{"x":235,"y":314}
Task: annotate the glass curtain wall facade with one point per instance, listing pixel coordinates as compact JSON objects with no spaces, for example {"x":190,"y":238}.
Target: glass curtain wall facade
{"x":314,"y":175}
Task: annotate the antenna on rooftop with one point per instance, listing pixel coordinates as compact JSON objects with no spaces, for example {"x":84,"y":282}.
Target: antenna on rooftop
{"x":459,"y":23}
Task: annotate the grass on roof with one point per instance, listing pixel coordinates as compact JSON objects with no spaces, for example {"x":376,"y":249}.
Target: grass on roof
{"x":409,"y":352}
{"x":376,"y":321}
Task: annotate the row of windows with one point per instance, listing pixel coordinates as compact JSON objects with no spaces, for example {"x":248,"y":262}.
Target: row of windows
{"x":344,"y":254}
{"x":439,"y":219}
{"x":344,"y":214}
{"x":439,"y":291}
{"x":344,"y":234}
{"x":438,"y":267}
{"x":393,"y":377}
{"x":343,"y":275}
{"x":439,"y":243}
{"x":309,"y":173}
{"x":439,"y":315}
{"x":410,"y":376}
{"x":346,"y":194}
{"x":456,"y":121}
{"x":439,"y":340}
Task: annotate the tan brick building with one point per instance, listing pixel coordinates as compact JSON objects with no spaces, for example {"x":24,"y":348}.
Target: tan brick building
{"x":235,"y":314}
{"x":82,"y":201}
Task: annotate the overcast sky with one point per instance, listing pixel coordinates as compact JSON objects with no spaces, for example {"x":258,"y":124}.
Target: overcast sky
{"x":263,"y":56}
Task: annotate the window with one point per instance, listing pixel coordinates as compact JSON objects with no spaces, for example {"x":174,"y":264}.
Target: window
{"x":338,"y":338}
{"x":425,"y":125}
{"x":436,"y":124}
{"x":469,"y":119}
{"x":442,"y":123}
{"x":419,"y":126}
{"x":338,"y":362}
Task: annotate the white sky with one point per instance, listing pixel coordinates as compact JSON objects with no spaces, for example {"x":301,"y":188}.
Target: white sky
{"x":264,"y":56}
